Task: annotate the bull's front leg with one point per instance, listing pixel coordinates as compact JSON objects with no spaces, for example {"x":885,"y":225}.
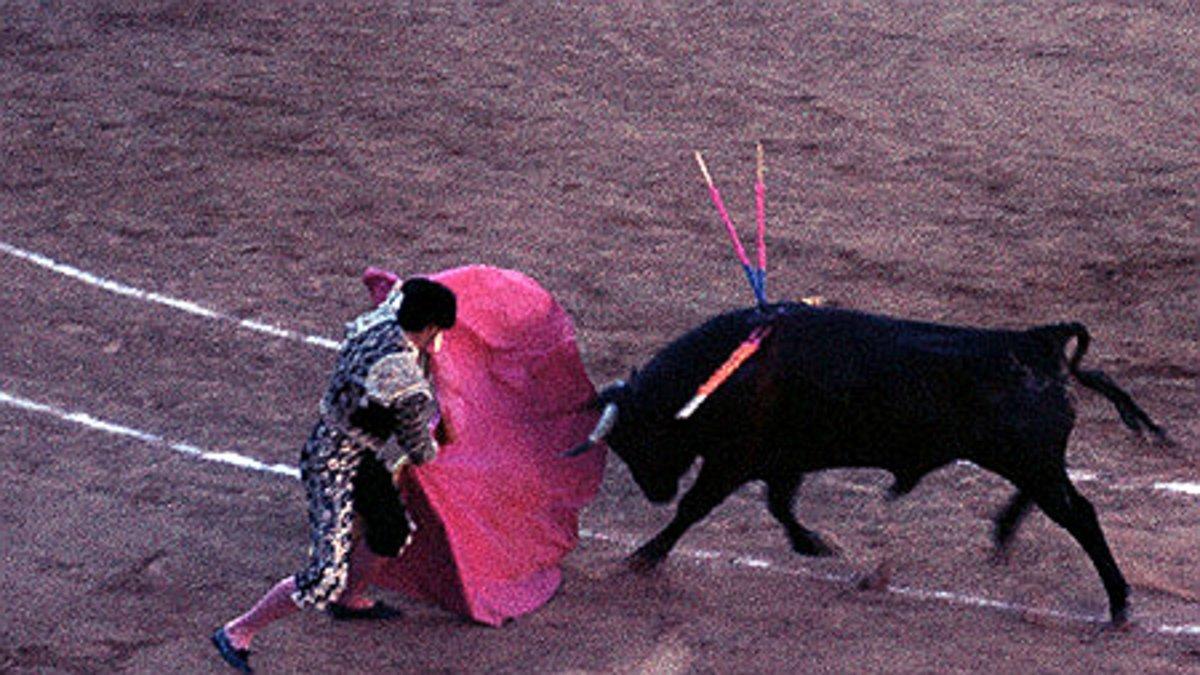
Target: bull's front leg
{"x":781,"y":495}
{"x":714,"y":484}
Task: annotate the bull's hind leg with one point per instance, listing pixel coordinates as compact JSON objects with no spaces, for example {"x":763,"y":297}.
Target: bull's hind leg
{"x":781,"y":496}
{"x":715,"y":482}
{"x":1059,"y":499}
{"x":1008,"y":520}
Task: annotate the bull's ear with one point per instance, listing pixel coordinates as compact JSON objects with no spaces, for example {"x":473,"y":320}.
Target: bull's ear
{"x":611,"y":393}
{"x":604,"y":396}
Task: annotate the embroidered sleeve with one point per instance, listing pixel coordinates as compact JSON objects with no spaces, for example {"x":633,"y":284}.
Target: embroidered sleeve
{"x":413,"y":435}
{"x":395,"y":377}
{"x":397,"y":384}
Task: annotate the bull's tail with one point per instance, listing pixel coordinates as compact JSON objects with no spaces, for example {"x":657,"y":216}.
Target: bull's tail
{"x":1131,"y":414}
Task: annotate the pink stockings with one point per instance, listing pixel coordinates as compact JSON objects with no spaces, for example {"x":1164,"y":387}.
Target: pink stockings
{"x":275,"y":605}
{"x":278,"y":603}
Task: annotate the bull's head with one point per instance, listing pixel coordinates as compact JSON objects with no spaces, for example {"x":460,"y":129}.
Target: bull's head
{"x":656,"y":466}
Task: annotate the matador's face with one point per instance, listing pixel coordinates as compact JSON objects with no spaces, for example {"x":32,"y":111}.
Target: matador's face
{"x":428,"y":339}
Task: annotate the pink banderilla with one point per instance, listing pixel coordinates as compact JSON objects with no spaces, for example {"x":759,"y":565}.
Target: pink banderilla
{"x":756,"y":277}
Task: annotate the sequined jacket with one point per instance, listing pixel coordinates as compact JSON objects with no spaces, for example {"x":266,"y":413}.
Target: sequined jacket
{"x":379,"y":395}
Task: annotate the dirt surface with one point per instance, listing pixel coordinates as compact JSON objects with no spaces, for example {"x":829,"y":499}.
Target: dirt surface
{"x":1000,"y":164}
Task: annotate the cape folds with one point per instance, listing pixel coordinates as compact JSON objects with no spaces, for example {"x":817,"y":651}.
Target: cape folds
{"x":497,"y":511}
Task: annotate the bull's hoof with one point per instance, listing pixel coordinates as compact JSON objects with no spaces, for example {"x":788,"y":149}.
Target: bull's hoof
{"x":1106,"y":631}
{"x":643,"y":561}
{"x":877,"y":579}
{"x":1120,"y":620}
{"x":813,"y":545}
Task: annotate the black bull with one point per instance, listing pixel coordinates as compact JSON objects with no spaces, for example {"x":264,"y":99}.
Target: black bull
{"x":833,"y":388}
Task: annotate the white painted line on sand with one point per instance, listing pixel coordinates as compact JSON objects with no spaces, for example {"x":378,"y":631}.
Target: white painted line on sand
{"x":157,"y":298}
{"x":1185,"y":488}
{"x":748,"y":562}
{"x":85,"y":420}
{"x":920,"y":594}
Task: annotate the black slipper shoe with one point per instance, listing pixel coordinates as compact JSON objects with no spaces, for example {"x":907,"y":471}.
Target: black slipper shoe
{"x":238,"y":658}
{"x":379,"y":611}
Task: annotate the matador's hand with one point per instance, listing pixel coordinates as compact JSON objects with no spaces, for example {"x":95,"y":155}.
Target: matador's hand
{"x":398,"y":471}
{"x":443,"y":433}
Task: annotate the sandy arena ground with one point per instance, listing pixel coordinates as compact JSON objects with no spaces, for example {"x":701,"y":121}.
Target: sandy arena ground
{"x":993,"y":163}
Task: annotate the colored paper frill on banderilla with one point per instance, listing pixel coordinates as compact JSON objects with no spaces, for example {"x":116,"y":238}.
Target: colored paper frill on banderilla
{"x":497,"y":510}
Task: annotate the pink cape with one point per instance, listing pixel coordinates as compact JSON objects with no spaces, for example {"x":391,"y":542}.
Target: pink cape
{"x":497,"y":511}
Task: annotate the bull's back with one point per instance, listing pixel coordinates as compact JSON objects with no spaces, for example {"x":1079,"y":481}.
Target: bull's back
{"x":870,"y":383}
{"x":854,"y":382}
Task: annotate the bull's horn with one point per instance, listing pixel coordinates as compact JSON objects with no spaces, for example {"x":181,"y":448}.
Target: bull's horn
{"x":608,"y":419}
